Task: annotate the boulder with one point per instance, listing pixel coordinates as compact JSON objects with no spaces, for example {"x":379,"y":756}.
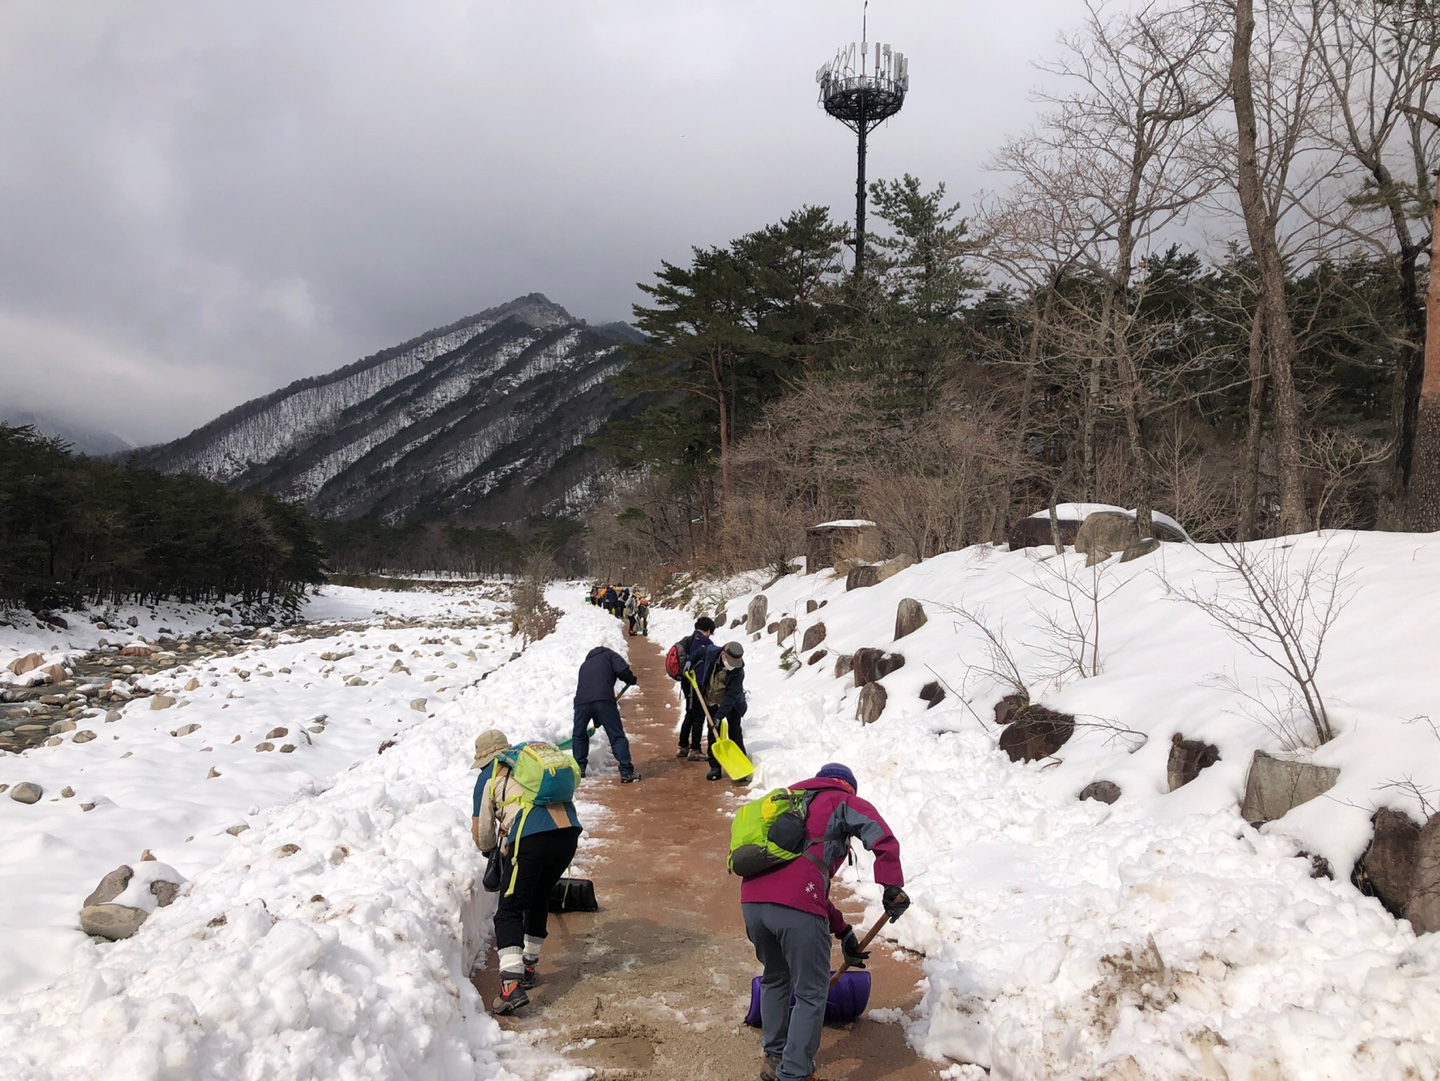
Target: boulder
{"x":54,"y":673}
{"x":773,"y":627}
{"x":909,"y":617}
{"x":277,"y":733}
{"x":82,"y":736}
{"x":862,"y":576}
{"x":1386,"y":870}
{"x":1187,"y":758}
{"x":810,"y":606}
{"x":872,"y":703}
{"x":785,"y":629}
{"x":868,"y":665}
{"x":756,"y":612}
{"x":844,"y":665}
{"x":135,"y":650}
{"x":185,"y":730}
{"x":932,"y":694}
{"x":1009,"y":707}
{"x":1036,"y":732}
{"x":192,"y":684}
{"x":1035,"y":533}
{"x":1103,"y":534}
{"x":28,"y":663}
{"x":110,"y":921}
{"x":891,"y":567}
{"x":1104,"y":791}
{"x":1274,"y":785}
{"x":818,"y":656}
{"x":418,"y":704}
{"x":1423,"y":908}
{"x":813,"y":636}
{"x":1143,"y":546}
{"x":111,"y":886}
{"x":27,"y":792}
{"x":734,"y":622}
{"x":161,"y":701}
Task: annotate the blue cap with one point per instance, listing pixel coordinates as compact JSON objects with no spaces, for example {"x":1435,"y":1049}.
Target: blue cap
{"x":838,"y":771}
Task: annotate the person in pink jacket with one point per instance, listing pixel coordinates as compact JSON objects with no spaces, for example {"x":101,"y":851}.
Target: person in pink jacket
{"x":789,"y":918}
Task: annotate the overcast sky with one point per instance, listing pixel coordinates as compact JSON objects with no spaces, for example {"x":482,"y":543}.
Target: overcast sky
{"x":202,"y":200}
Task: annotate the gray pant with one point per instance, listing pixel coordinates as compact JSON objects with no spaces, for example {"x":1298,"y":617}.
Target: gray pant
{"x":794,"y":947}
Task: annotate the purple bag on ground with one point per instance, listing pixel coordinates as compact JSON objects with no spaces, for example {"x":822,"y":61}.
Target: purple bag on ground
{"x":845,"y":1002}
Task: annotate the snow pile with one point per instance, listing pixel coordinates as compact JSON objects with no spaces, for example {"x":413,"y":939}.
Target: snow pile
{"x":334,"y":935}
{"x":1161,"y":936}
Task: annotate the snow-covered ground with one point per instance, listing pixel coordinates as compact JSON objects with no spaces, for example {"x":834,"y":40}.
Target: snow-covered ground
{"x":1161,"y":937}
{"x":343,"y":955}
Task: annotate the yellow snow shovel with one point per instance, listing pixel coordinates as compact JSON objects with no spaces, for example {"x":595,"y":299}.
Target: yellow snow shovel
{"x":726,"y":751}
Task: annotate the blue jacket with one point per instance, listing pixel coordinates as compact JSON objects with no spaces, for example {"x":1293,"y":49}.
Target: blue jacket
{"x":733,"y":704}
{"x":601,"y":668}
{"x":551,"y":816}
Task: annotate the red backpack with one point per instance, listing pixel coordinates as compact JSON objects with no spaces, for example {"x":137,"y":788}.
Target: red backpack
{"x":675,"y":658}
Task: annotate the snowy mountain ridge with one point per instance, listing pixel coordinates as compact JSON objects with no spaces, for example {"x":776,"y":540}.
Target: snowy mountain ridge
{"x":480,"y":419}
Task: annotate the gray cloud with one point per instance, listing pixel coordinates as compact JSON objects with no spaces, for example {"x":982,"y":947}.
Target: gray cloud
{"x":203,"y":201}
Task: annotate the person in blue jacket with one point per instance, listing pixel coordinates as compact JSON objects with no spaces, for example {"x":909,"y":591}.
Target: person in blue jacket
{"x":730,"y":707}
{"x":542,"y":843}
{"x":595,"y":700}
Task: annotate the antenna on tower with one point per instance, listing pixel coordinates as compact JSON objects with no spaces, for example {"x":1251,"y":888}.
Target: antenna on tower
{"x":861,"y":100}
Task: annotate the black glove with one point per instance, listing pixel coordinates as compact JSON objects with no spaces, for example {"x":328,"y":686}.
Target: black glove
{"x":895,"y":901}
{"x":855,"y":957}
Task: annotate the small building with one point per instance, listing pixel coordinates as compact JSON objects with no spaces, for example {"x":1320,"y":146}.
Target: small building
{"x":828,"y":541}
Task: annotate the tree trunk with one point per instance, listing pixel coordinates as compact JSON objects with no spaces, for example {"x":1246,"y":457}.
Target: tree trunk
{"x":1423,"y":503}
{"x":1255,"y":418}
{"x":1260,"y":226}
{"x":1092,"y":411}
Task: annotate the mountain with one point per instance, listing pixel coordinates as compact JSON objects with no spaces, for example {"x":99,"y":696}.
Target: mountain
{"x":82,"y":439}
{"x":479,"y":421}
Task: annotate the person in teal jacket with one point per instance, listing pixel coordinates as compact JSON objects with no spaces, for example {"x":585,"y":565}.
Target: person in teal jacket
{"x":548,"y":837}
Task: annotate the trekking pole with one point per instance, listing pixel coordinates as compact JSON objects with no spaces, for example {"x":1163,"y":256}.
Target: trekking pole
{"x":870,"y":937}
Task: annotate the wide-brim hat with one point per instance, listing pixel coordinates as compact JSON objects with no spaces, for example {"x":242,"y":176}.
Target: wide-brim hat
{"x":487,"y":745}
{"x":733,"y":655}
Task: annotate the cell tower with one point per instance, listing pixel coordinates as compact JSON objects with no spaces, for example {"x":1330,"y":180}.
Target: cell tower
{"x":861,"y":90}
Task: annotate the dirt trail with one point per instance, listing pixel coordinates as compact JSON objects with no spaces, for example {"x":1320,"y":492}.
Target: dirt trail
{"x":654,"y":986}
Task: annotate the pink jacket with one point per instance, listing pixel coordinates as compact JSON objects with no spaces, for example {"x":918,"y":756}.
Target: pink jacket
{"x":837,"y":814}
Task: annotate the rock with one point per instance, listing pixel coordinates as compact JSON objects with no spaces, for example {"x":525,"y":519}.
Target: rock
{"x":265,"y":746}
{"x":54,"y":741}
{"x":399,"y":666}
{"x":288,"y":748}
{"x":284,"y":851}
{"x":1008,"y":707}
{"x":862,"y":576}
{"x":872,"y":703}
{"x":813,"y":636}
{"x":164,"y":892}
{"x":1104,"y":791}
{"x":1143,"y":546}
{"x":27,"y":792}
{"x":932,"y":694}
{"x":236,"y":831}
{"x":1035,"y":533}
{"x":161,"y":701}
{"x":52,"y":699}
{"x":185,"y":730}
{"x":1036,"y":732}
{"x":756,"y":612}
{"x":844,"y":664}
{"x":1386,"y":870}
{"x":871,"y":664}
{"x":112,"y":922}
{"x":192,"y":684}
{"x":277,"y":733}
{"x":1423,"y":908}
{"x":82,"y":736}
{"x":54,"y":673}
{"x":134,"y":621}
{"x":891,"y":567}
{"x":395,"y":648}
{"x":135,"y":650}
{"x":1103,"y":534}
{"x":62,"y":726}
{"x":356,"y":681}
{"x":112,"y":716}
{"x":28,"y":663}
{"x":810,"y":606}
{"x":1187,"y":758}
{"x":734,"y":622}
{"x":225,"y":621}
{"x":1274,"y":785}
{"x":773,"y":627}
{"x":418,"y":704}
{"x":909,"y":617}
{"x":785,"y":629}
{"x":818,"y":656}
{"x":212,"y":774}
{"x":111,"y":886}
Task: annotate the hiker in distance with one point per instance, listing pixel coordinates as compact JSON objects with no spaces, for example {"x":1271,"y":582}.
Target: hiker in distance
{"x":595,"y":700}
{"x":721,"y":678}
{"x":789,"y":918}
{"x":539,"y":841}
{"x":690,"y":650}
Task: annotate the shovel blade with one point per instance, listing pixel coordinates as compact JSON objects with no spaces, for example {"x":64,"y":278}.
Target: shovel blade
{"x":573,"y":895}
{"x":732,"y":759}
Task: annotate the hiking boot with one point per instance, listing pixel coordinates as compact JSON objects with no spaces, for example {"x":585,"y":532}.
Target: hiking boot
{"x":696,"y":755}
{"x":768,"y":1071}
{"x":629,"y":778}
{"x":682,"y":752}
{"x":529,"y":979}
{"x":512,"y":995}
{"x":714,"y":774}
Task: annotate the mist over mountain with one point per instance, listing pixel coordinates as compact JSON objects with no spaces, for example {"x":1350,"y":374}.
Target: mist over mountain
{"x":82,"y":438}
{"x":483,"y":420}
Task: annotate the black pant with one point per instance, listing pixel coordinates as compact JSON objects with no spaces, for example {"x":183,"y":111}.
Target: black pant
{"x":733,"y":730}
{"x":543,"y":858}
{"x":692,"y":728}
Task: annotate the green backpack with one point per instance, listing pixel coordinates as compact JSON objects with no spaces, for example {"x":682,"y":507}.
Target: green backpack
{"x":545,"y":772}
{"x":769,"y":832}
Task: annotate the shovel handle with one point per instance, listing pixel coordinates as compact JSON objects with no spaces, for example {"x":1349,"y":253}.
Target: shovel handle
{"x":714,"y":732}
{"x":869,"y":938}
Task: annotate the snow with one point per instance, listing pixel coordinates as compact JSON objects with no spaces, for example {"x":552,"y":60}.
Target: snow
{"x":1036,"y":913}
{"x":1158,"y":937}
{"x":845,"y":523}
{"x":1078,"y":512}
